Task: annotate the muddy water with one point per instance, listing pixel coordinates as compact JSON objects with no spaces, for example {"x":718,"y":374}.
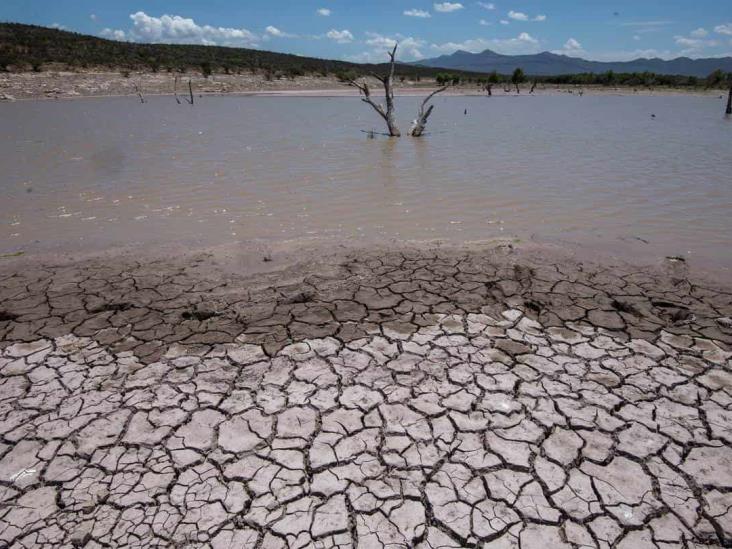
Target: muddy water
{"x":599,"y":171}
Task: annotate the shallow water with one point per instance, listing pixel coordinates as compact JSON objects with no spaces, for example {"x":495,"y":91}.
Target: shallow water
{"x":595,"y":170}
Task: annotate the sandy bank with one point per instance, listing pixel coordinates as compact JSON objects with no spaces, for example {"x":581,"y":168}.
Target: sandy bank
{"x":65,"y":85}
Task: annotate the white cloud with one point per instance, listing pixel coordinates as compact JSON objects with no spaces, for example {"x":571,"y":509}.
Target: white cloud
{"x":645,"y":23}
{"x":693,"y":45}
{"x":524,"y":43}
{"x":409,"y":48}
{"x":521,"y":16}
{"x":629,"y":55}
{"x":323,"y":12}
{"x":58,"y":26}
{"x":699,"y":33}
{"x":518,"y":16}
{"x":174,"y":29}
{"x":342,"y":37}
{"x":277,"y":33}
{"x":504,"y":22}
{"x":485,"y":23}
{"x":487,"y":5}
{"x":447,"y":7}
{"x":113,"y":34}
{"x":417,"y":13}
{"x":636,"y":37}
{"x":93,"y":16}
{"x":646,"y":26}
{"x":724,"y":29}
{"x":571,"y":47}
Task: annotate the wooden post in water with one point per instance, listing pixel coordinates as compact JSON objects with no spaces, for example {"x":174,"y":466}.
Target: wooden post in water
{"x":175,"y":90}
{"x":190,"y":91}
{"x":729,"y":101}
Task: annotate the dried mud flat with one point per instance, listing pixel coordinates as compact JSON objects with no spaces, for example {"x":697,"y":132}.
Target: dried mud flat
{"x":391,"y":398}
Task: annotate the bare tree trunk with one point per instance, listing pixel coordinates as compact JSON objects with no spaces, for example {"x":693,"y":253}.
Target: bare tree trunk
{"x":489,"y":89}
{"x":388,"y":83}
{"x":423,"y":114}
{"x":729,"y":101}
{"x":175,"y":90}
{"x":533,"y":87}
{"x":190,"y":91}
{"x":139,"y":93}
{"x":518,"y":90}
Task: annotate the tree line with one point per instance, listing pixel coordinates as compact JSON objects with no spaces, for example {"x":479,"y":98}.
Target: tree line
{"x":717,"y":79}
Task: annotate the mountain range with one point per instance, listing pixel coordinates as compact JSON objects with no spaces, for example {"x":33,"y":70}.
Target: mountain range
{"x":547,"y":63}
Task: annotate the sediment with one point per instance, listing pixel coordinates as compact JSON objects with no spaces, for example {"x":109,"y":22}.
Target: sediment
{"x":409,"y":397}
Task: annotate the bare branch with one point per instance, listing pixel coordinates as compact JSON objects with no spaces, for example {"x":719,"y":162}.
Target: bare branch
{"x":387,"y":113}
{"x":430,"y":96}
{"x":139,"y":92}
{"x":420,"y":123}
{"x":392,"y":56}
{"x":190,"y":91}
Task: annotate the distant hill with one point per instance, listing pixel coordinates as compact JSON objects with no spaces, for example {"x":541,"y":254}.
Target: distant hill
{"x":23,"y":47}
{"x":547,"y":63}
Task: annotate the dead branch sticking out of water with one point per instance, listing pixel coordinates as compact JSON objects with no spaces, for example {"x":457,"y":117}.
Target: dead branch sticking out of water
{"x":190,"y":92}
{"x":387,"y":81}
{"x":423,"y":114}
{"x":533,"y":87}
{"x":729,"y":101}
{"x":489,"y":89}
{"x":139,"y":92}
{"x":175,"y":90}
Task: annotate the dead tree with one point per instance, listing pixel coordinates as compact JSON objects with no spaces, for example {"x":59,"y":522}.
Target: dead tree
{"x":139,"y":93}
{"x":729,"y":101}
{"x":533,"y":87}
{"x":387,"y":81}
{"x":190,"y":91}
{"x":489,"y":88}
{"x":175,"y":90}
{"x":419,"y":124}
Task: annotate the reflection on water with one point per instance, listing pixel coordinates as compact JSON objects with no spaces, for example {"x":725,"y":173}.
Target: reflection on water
{"x":597,"y":170}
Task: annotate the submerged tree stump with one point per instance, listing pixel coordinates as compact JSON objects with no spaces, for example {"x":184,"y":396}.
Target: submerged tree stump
{"x":424,"y":113}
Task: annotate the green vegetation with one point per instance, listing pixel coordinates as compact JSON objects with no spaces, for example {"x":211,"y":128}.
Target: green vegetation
{"x":29,"y":47}
{"x":517,"y":78}
{"x":443,"y":79}
{"x":12,"y":254}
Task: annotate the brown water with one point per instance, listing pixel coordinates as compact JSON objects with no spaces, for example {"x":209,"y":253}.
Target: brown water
{"x":594,"y":170}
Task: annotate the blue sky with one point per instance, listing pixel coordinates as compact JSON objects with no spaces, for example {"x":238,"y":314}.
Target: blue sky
{"x":360,"y":30}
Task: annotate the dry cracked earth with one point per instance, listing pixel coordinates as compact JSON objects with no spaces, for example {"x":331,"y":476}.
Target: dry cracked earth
{"x":409,"y":398}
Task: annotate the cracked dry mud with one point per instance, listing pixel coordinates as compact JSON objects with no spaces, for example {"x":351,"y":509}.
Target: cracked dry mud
{"x":397,"y":399}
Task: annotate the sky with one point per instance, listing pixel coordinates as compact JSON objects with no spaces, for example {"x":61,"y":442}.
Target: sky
{"x":362,"y":30}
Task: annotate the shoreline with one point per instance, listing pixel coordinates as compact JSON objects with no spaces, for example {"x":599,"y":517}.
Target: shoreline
{"x":623,"y":254}
{"x":237,"y":269}
{"x":73,"y":85}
